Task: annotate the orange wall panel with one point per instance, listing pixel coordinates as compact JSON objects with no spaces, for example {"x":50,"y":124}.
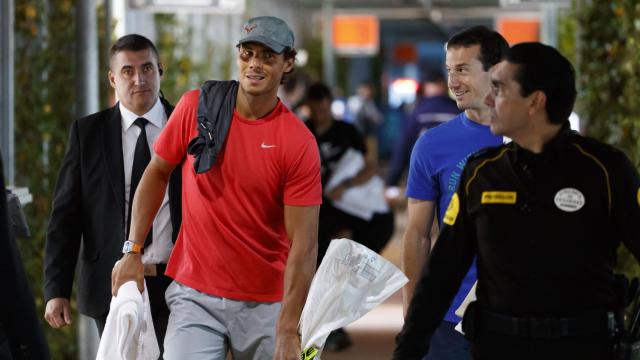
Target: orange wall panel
{"x":517,"y":30}
{"x":356,"y":33}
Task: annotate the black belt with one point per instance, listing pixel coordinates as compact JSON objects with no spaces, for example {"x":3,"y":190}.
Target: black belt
{"x":154,"y":269}
{"x":531,"y":327}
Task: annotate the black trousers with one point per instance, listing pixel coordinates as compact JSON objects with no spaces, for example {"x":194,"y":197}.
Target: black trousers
{"x":492,"y":346}
{"x":156,"y":286}
{"x":373,"y":234}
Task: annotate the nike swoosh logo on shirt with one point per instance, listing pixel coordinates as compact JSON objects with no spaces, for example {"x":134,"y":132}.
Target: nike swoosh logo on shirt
{"x":265,"y":146}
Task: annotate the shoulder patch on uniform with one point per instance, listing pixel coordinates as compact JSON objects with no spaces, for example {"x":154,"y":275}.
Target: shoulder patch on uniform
{"x":639,"y":196}
{"x":452,"y":210}
{"x":309,"y":353}
{"x":499,"y":197}
{"x":485,"y":152}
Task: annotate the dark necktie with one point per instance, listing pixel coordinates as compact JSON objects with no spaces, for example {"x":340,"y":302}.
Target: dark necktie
{"x":141,"y":158}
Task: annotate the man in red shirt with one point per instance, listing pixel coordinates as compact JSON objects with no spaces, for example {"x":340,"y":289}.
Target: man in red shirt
{"x":246,"y":252}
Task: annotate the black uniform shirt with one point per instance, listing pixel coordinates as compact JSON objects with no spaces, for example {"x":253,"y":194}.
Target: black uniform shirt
{"x":545,"y":228}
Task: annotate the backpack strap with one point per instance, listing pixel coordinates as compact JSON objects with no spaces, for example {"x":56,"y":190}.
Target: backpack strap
{"x":215,"y":110}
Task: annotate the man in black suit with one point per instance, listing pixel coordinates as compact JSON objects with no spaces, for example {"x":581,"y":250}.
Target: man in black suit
{"x":104,"y":159}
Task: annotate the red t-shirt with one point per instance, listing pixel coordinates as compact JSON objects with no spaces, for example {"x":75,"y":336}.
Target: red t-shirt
{"x":233,"y":242}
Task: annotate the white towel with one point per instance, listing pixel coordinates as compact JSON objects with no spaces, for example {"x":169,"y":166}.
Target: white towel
{"x":128,"y":333}
{"x":362,"y":200}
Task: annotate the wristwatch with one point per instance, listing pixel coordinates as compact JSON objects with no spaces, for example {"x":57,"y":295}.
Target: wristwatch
{"x":131,"y":247}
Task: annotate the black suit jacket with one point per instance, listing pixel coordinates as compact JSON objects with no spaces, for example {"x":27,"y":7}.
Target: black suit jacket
{"x":88,"y":214}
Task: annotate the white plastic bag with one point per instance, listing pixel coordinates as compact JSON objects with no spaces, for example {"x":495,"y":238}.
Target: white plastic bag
{"x":350,"y":281}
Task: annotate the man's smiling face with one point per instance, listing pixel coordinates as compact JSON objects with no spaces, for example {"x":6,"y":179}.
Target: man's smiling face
{"x":467,"y":78}
{"x":260,"y":68}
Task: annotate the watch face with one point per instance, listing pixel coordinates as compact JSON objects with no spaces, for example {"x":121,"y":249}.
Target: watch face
{"x":128,"y":247}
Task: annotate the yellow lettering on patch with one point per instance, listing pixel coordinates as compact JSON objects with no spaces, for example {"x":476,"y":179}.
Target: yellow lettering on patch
{"x":638,"y":196}
{"x":499,"y":197}
{"x":452,"y":210}
{"x":309,"y":353}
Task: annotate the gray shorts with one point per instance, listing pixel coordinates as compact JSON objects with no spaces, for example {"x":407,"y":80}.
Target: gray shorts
{"x":203,"y":326}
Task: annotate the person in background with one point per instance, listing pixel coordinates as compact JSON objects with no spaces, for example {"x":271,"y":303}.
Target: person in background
{"x":292,"y":91}
{"x":335,"y":140}
{"x":437,"y":161}
{"x":433,"y":108}
{"x":366,"y":116}
{"x":105,"y":158}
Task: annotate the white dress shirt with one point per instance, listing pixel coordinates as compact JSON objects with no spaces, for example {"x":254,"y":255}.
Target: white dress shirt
{"x":160,"y":249}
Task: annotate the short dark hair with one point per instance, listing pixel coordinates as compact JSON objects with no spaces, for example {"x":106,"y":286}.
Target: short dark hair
{"x":133,"y":42}
{"x":318,"y":92}
{"x":493,"y":46}
{"x":543,"y":68}
{"x":289,"y":53}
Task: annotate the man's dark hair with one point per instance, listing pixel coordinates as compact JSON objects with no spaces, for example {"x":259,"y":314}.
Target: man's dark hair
{"x":318,"y":92}
{"x":543,"y":68}
{"x":289,"y":54}
{"x":133,"y":42}
{"x":493,"y":46}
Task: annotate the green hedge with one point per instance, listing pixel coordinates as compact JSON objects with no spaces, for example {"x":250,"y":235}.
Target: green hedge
{"x":44,"y":109}
{"x":607,"y":54}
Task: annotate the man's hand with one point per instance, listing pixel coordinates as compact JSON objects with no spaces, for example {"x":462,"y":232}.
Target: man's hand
{"x":287,"y":346}
{"x":127,"y":269}
{"x":336,"y":193}
{"x":58,"y":312}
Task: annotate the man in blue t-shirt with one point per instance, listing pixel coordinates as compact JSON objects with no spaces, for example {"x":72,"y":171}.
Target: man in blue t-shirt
{"x":437,"y":160}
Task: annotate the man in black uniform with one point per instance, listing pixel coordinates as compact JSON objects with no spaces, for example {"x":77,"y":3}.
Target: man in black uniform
{"x":544,"y":215}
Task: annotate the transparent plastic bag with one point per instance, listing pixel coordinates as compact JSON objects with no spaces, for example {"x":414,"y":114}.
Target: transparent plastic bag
{"x":350,"y":281}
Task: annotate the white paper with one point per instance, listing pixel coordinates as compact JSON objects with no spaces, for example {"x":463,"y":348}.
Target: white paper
{"x":362,"y":200}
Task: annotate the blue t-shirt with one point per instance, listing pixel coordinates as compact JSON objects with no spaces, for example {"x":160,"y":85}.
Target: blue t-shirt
{"x":437,"y":161}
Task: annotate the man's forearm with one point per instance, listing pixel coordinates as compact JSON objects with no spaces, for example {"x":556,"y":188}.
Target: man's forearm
{"x":64,"y":232}
{"x":301,"y":266}
{"x":415,"y":250}
{"x":146,"y":202}
{"x":302,"y":228}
